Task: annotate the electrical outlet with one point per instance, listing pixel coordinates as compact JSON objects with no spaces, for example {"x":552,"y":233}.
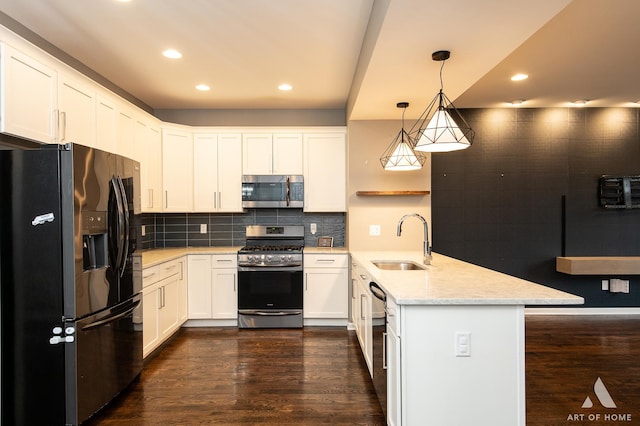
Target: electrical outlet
{"x":619,"y":286}
{"x":463,"y":343}
{"x":314,"y":228}
{"x":203,"y":228}
{"x":605,"y":285}
{"x":374,"y":230}
{"x":144,"y":230}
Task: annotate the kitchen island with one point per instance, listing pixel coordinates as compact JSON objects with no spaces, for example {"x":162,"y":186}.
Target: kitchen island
{"x":455,"y":339}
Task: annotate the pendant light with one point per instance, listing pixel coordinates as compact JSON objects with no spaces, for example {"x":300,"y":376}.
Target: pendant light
{"x":445,"y":129}
{"x":400,"y":154}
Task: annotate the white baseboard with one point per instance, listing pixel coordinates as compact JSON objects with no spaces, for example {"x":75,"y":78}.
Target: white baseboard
{"x":582,"y":311}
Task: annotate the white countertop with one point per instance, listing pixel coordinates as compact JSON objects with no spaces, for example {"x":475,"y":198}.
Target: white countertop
{"x":152,"y":257}
{"x":449,"y":281}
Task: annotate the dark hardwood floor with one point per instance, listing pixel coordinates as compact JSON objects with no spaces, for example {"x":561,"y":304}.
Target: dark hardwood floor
{"x":226,"y":376}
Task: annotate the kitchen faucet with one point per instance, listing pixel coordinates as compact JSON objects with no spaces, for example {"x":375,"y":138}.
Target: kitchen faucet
{"x":426,"y":258}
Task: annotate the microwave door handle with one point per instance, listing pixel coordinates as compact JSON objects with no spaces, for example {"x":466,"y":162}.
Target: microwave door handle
{"x":288,"y":192}
{"x":125,"y":231}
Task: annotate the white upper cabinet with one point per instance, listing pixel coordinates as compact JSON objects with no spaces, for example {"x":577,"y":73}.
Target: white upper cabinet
{"x":229,"y":172}
{"x":257,"y":149}
{"x":148,"y":145}
{"x":125,"y":133}
{"x":205,"y":172}
{"x":217,"y":172}
{"x":77,"y":116}
{"x":325,"y":163}
{"x":287,"y":154}
{"x":29,"y":96}
{"x":177,"y":170}
{"x":106,"y":116}
{"x":272,"y":153}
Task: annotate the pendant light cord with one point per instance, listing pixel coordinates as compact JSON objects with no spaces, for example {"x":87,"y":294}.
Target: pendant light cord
{"x":441,"y":83}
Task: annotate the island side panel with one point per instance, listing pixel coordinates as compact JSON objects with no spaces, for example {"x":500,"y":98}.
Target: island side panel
{"x":485,"y":388}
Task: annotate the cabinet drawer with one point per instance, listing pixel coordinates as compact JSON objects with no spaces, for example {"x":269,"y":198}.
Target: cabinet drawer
{"x":326,"y":261}
{"x":159,"y":272}
{"x":224,"y":261}
{"x":393,"y":322}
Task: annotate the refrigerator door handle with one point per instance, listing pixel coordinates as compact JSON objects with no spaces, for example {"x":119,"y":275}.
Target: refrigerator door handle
{"x":119,"y":225}
{"x":112,"y":318}
{"x":125,"y":215}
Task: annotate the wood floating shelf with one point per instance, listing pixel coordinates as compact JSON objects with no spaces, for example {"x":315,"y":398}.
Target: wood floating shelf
{"x":374,"y":193}
{"x":599,"y":265}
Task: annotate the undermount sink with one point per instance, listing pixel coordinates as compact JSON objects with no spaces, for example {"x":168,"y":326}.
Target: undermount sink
{"x":398,"y":265}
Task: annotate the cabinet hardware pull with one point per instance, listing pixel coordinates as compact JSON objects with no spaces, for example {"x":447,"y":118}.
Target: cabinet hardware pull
{"x":63,"y":130}
{"x":362,"y":296}
{"x":166,"y":199}
{"x":384,"y":351}
{"x":150,"y":203}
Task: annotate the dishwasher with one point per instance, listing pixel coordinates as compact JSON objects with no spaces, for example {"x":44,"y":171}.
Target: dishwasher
{"x":379,"y":327}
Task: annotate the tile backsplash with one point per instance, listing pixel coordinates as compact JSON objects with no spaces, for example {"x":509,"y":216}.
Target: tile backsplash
{"x":184,"y":229}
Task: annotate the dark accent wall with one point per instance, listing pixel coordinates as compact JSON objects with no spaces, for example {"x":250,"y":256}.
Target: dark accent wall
{"x":183,"y":229}
{"x":527,"y":192}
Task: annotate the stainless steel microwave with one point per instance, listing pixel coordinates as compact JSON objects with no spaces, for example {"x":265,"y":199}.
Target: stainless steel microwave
{"x":272,"y":191}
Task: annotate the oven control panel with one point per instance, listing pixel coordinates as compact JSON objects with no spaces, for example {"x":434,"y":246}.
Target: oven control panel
{"x":267,"y":260}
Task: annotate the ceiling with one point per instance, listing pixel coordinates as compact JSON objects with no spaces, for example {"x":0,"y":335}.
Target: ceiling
{"x":360,"y":55}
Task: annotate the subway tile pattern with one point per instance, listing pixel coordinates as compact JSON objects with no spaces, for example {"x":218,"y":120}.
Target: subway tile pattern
{"x":184,"y":229}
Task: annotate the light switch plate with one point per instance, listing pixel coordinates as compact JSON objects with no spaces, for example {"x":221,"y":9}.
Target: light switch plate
{"x":203,"y":228}
{"x":374,"y":230}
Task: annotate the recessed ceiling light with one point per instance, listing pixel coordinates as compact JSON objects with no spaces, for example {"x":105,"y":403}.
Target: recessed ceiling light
{"x":519,"y":77}
{"x":172,"y":54}
{"x":203,"y":87}
{"x":517,"y":102}
{"x":285,"y":87}
{"x":580,"y":102}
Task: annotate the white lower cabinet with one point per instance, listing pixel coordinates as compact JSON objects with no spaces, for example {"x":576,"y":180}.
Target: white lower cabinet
{"x":362,"y":313}
{"x":213,"y":284}
{"x":326,"y":288}
{"x":393,"y":365}
{"x":163,"y":302}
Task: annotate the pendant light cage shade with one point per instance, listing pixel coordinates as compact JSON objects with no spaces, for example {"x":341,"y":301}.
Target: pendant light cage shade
{"x":400,"y":155}
{"x":441,"y":128}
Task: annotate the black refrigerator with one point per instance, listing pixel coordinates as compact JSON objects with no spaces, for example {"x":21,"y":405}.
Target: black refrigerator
{"x":70,"y":282}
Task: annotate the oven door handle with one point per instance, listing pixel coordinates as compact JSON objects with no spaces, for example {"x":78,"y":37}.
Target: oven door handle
{"x":268,"y":314}
{"x":291,"y":268}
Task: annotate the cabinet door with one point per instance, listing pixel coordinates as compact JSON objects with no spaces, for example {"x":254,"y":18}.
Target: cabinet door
{"x":199,"y":287}
{"x":205,"y":172}
{"x":77,"y":103}
{"x":287,"y":154}
{"x":257,"y":154}
{"x":326,"y":293}
{"x":106,"y":124}
{"x":177,"y":170}
{"x":169,"y":306}
{"x":393,"y":378}
{"x":125,"y":133}
{"x":183,"y":306}
{"x":153,"y":165}
{"x":225,"y":297}
{"x":324,"y":172}
{"x":150,"y":307}
{"x":229,"y":173}
{"x":30,"y":96}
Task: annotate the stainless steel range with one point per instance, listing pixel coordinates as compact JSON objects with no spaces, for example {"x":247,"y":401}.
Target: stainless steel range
{"x":270,"y":277}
